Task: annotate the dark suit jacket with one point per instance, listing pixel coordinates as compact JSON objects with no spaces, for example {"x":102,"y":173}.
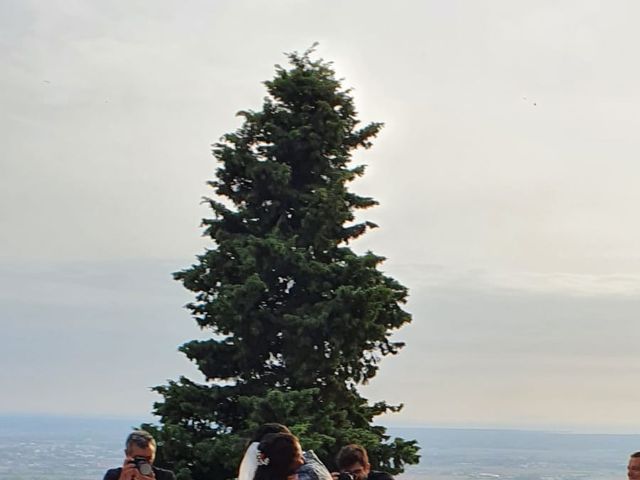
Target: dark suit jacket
{"x":160,"y":473}
{"x":374,"y":475}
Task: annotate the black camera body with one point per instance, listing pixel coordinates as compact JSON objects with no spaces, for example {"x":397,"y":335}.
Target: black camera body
{"x":143,"y":466}
{"x":346,"y":476}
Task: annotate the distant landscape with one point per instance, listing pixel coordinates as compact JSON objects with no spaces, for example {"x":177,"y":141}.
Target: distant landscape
{"x":56,"y":448}
{"x":519,"y":454}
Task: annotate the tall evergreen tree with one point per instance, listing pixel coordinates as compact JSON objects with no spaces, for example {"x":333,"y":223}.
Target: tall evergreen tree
{"x":297,"y":319}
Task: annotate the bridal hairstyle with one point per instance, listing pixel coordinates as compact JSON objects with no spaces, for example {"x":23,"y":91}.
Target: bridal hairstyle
{"x":249,"y":462}
{"x":268,"y":428}
{"x":277,"y":453}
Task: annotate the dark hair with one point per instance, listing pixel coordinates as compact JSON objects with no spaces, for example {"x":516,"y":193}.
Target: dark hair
{"x":635,"y":455}
{"x":350,"y":455}
{"x":268,"y":428}
{"x":140,"y":438}
{"x":278,"y":450}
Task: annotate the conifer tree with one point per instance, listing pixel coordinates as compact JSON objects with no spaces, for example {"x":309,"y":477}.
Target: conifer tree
{"x":297,"y":319}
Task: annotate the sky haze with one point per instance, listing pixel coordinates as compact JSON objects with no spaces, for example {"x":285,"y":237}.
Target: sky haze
{"x":506,"y":174}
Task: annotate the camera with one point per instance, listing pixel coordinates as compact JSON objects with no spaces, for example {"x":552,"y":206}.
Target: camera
{"x":143,"y":466}
{"x":346,"y":476}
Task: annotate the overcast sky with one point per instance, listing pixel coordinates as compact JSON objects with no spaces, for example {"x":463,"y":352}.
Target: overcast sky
{"x":507,"y":174}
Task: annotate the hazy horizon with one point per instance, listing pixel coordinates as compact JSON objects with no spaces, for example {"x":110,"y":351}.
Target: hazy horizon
{"x":118,"y":421}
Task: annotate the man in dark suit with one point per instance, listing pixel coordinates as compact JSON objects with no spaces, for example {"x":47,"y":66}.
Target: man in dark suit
{"x":140,"y":452}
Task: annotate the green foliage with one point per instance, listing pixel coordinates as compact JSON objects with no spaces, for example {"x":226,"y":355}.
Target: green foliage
{"x":297,"y":319}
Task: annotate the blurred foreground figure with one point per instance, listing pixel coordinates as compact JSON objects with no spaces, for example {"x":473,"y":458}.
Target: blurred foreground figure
{"x":140,"y":452}
{"x":633,"y":469}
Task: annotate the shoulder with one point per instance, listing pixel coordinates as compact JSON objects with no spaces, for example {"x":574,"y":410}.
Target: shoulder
{"x":113,"y":474}
{"x":162,"y":474}
{"x":375,"y":475}
{"x":313,"y":468}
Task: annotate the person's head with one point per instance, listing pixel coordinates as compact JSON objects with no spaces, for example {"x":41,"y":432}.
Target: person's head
{"x":633,"y":469}
{"x":280,"y":456}
{"x":353,"y":459}
{"x":140,"y":443}
{"x":268,"y":428}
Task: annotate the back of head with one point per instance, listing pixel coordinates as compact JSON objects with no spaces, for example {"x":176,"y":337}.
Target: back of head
{"x":350,"y":455}
{"x":277,"y":452}
{"x":249,"y":465}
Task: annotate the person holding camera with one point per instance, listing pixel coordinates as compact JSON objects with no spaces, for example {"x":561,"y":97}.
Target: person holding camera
{"x":140,"y":452}
{"x":353,"y":463}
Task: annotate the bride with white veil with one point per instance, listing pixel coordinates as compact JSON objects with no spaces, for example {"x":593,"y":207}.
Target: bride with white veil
{"x":249,"y":462}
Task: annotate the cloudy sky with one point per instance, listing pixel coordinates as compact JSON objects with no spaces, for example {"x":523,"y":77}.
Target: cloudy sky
{"x":507,"y":175}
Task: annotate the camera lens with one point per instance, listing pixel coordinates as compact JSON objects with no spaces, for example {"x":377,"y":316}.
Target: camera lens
{"x":145,"y":469}
{"x":143,"y":466}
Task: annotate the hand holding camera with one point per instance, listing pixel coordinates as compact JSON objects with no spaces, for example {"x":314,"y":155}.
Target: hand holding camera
{"x":137,"y":468}
{"x":143,"y":466}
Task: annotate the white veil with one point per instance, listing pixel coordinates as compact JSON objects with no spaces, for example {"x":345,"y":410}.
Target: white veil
{"x":249,"y":463}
